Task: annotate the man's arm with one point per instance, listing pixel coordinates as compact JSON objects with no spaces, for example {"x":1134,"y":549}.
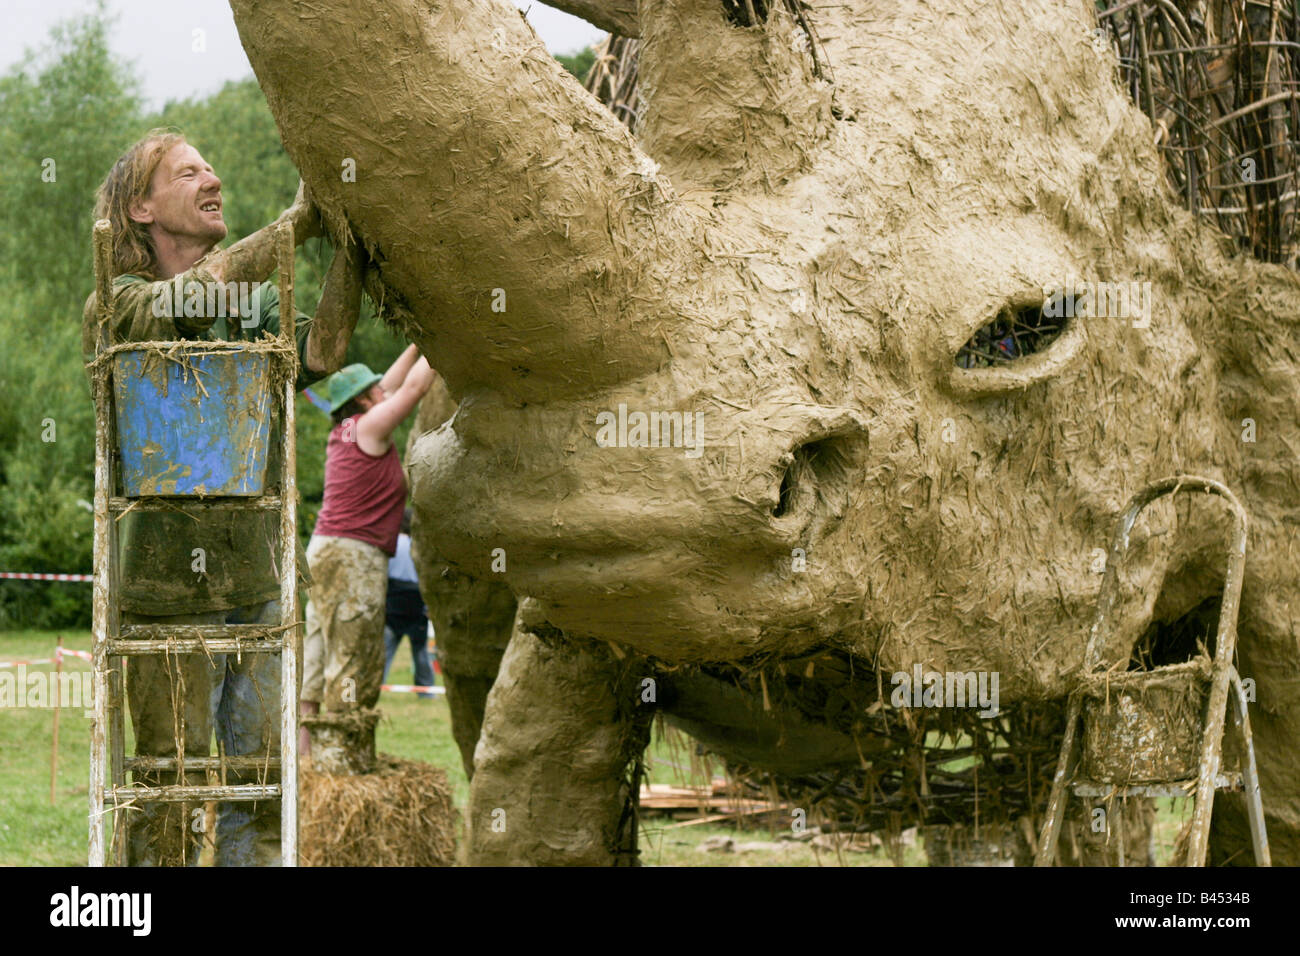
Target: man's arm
{"x":337,"y":312}
{"x":143,"y":312}
{"x":375,"y":427}
{"x":397,"y":372}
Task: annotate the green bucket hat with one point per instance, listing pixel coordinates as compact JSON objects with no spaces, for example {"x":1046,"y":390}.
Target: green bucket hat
{"x":347,"y":383}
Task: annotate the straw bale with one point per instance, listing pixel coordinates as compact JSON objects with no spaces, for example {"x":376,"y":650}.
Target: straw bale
{"x":400,"y":815}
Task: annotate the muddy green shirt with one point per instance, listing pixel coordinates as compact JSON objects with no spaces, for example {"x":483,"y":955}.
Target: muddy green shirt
{"x":157,"y":549}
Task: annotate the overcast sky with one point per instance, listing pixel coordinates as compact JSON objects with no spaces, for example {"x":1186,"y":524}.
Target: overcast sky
{"x":158,"y":36}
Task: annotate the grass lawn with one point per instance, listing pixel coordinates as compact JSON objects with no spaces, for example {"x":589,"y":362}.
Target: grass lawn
{"x":35,"y":832}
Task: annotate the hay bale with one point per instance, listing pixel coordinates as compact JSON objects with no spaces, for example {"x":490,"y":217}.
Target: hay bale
{"x":400,"y":815}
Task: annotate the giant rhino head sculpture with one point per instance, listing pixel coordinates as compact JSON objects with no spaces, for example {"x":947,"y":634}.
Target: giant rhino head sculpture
{"x":791,"y":255}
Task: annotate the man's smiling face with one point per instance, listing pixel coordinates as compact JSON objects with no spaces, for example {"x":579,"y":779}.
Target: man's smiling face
{"x":184,"y":199}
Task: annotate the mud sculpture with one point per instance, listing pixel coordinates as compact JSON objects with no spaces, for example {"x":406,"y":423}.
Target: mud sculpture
{"x":792,"y":254}
{"x":471,"y":616}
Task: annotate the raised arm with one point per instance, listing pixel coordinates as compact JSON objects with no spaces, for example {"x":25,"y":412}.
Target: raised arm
{"x":397,"y":372}
{"x":375,"y":428}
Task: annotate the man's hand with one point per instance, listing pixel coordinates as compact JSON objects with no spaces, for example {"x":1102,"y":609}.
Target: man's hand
{"x":304,"y":215}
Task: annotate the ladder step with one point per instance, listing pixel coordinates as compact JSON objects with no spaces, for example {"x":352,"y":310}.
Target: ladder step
{"x":1176,"y":788}
{"x":116,"y":505}
{"x":139,"y":639}
{"x":120,"y":795}
{"x":203,"y":763}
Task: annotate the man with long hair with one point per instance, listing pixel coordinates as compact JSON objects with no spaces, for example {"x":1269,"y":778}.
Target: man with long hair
{"x":165,"y":205}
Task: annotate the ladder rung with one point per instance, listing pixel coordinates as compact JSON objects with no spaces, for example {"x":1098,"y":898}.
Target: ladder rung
{"x":212,"y":645}
{"x":185,"y":502}
{"x":139,"y":639}
{"x":1175,"y":788}
{"x":203,"y":763}
{"x":120,"y":795}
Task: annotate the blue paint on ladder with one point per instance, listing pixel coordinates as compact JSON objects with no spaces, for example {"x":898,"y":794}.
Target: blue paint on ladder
{"x":176,"y":440}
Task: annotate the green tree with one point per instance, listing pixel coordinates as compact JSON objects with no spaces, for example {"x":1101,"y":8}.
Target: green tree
{"x":578,"y":63}
{"x":69,"y":110}
{"x":73,"y":103}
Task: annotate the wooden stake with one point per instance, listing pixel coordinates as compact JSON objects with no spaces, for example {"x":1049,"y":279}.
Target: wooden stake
{"x":54,"y":747}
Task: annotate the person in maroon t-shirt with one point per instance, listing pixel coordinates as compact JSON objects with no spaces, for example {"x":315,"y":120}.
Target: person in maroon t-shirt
{"x":355,"y":535}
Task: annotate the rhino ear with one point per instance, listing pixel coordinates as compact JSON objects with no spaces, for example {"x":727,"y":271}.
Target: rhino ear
{"x":1031,"y":338}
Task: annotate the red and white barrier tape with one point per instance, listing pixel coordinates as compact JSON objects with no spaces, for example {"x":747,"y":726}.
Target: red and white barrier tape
{"x":410,"y":689}
{"x":58,"y":652}
{"x":86,"y":656}
{"x":24,"y":576}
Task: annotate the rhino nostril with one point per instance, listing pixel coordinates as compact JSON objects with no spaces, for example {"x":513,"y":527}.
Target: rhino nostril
{"x":816,"y":476}
{"x":792,"y":482}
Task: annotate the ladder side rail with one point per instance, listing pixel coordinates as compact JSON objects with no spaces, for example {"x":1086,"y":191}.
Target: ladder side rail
{"x":102,"y":246}
{"x":1225,"y":645}
{"x":1250,"y":773}
{"x":115,"y":705}
{"x":1046,"y":853}
{"x":288,"y":562}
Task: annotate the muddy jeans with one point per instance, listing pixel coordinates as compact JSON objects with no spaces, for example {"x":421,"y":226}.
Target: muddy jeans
{"x":343,"y":652}
{"x":239,"y":696}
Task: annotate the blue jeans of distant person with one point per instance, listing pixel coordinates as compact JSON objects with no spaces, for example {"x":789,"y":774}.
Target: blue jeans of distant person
{"x":404,"y":616}
{"x":238,"y":696}
{"x":420,"y":663}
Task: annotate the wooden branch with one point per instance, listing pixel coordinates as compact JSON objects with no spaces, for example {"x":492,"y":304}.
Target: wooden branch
{"x":616,"y":16}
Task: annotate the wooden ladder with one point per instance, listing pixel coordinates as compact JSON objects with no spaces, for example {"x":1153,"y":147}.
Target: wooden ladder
{"x":113,"y":642}
{"x":1223,"y":678}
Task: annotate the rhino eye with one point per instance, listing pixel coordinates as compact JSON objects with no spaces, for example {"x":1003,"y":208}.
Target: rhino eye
{"x":1015,"y":334}
{"x":1029,"y":341}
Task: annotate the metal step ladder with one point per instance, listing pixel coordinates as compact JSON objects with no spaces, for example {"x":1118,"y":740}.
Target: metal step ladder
{"x":1223,"y":684}
{"x":112,"y":642}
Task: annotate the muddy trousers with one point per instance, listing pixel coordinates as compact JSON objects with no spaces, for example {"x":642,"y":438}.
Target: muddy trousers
{"x":185,"y":697}
{"x":343,"y":651}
